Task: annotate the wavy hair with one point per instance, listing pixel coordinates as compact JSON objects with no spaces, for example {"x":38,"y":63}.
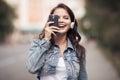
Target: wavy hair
{"x":72,"y":34}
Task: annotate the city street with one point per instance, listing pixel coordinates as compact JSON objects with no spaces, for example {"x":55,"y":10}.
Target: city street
{"x":21,"y":21}
{"x":98,"y":67}
{"x":13,"y":63}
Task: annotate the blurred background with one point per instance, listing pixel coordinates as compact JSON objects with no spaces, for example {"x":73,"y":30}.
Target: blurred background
{"x":99,"y":26}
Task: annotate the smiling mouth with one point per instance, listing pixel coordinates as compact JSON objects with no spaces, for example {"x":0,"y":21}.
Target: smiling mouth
{"x":61,"y":26}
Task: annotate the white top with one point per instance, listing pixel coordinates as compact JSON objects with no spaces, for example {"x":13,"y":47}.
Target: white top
{"x":61,"y":72}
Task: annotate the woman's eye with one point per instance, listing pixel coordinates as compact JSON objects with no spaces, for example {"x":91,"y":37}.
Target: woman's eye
{"x":66,"y":18}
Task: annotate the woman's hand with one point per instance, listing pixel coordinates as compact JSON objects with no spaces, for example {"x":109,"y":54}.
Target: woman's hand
{"x":49,"y":30}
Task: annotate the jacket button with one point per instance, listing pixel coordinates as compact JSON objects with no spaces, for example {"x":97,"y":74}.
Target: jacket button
{"x":68,"y":68}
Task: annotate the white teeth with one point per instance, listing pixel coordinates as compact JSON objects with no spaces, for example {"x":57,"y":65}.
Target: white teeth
{"x":61,"y":25}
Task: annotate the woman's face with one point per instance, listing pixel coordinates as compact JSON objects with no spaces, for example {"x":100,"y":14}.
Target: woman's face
{"x":64,"y":20}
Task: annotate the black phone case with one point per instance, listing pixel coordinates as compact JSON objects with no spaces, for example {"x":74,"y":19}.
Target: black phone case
{"x":53,"y":18}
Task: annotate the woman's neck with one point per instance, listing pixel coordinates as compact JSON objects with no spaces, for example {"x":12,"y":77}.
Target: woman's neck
{"x":60,"y":39}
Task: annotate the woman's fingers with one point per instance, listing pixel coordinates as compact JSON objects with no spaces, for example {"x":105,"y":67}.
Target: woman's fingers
{"x":48,"y":23}
{"x":53,"y":33}
{"x":49,"y":30}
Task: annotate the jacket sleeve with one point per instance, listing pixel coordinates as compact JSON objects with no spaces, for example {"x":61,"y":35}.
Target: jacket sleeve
{"x":83,"y":72}
{"x":36,"y":55}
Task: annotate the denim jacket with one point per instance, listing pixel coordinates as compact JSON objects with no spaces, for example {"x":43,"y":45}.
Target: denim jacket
{"x":43,"y":61}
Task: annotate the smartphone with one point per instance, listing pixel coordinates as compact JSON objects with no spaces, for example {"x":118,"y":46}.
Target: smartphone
{"x":53,"y":18}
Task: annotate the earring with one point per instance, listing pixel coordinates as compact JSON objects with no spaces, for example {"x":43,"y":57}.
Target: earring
{"x":72,"y":25}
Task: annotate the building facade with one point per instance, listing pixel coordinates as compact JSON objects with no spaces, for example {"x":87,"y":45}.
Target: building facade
{"x":33,"y":14}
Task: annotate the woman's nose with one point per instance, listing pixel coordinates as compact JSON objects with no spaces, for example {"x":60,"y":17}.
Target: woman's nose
{"x":60,"y":20}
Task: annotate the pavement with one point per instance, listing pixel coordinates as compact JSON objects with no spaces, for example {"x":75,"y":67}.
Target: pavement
{"x":98,"y":66}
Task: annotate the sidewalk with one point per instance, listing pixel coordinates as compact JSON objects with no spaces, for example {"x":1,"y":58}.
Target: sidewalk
{"x":98,"y":67}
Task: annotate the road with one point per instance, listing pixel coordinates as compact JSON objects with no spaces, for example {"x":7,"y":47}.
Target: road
{"x":13,"y":63}
{"x":98,"y":67}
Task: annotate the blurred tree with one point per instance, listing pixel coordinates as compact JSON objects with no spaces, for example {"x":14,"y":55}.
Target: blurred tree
{"x":7,"y":15}
{"x":104,"y":20}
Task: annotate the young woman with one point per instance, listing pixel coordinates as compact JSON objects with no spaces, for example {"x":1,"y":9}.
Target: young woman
{"x":57,"y":54}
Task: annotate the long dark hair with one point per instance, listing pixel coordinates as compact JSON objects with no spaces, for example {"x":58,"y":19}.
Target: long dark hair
{"x":72,"y":34}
